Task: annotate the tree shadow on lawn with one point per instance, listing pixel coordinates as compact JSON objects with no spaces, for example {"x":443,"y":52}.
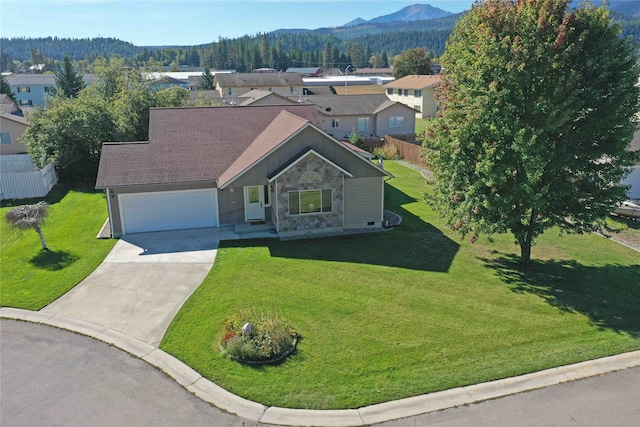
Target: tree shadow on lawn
{"x":415,"y":244}
{"x":56,"y":194}
{"x":609,"y":295}
{"x":53,"y":260}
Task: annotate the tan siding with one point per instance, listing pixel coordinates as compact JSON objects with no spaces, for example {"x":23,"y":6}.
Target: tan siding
{"x":363,"y":202}
{"x":16,"y":130}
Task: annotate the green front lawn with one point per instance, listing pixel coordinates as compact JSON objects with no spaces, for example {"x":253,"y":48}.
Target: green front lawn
{"x":390,"y":315}
{"x":33,"y":278}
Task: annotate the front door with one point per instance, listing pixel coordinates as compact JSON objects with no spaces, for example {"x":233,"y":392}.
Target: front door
{"x":254,"y":203}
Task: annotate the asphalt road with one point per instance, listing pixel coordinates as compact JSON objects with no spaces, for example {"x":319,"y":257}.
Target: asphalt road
{"x":50,"y":377}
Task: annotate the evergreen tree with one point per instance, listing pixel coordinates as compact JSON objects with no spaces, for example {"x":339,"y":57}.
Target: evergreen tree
{"x":6,"y":89}
{"x":68,"y":82}
{"x":539,"y":106}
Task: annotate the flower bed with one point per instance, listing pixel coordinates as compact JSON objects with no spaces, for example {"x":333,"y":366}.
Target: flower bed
{"x":257,"y":338}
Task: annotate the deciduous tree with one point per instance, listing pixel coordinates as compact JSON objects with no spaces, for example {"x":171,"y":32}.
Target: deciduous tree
{"x":70,"y":131}
{"x":412,"y":62}
{"x":538,"y":107}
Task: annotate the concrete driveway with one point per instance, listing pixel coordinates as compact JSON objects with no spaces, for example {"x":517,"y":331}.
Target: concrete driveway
{"x":143,"y":282}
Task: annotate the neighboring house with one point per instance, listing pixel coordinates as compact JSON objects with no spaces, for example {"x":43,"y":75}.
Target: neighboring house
{"x":417,"y":92}
{"x":206,"y":167}
{"x":259,"y":97}
{"x":32,"y":89}
{"x":237,"y":84}
{"x":306,"y":72}
{"x":373,"y":72}
{"x":19,"y":178}
{"x":367,"y":115}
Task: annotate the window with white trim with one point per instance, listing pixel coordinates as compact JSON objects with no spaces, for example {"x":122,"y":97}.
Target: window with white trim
{"x":389,"y":91}
{"x":335,"y":123}
{"x":302,"y":202}
{"x":363,"y":124}
{"x":406,"y":92}
{"x":396,"y":122}
{"x":24,"y":89}
{"x":417,"y":93}
{"x":232,"y":91}
{"x":5,"y":138}
{"x":418,"y":108}
{"x":23,"y":102}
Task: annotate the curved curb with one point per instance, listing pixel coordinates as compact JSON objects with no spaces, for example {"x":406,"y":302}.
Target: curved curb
{"x":373,"y":414}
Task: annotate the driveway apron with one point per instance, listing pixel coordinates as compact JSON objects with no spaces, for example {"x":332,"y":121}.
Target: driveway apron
{"x":143,"y":282}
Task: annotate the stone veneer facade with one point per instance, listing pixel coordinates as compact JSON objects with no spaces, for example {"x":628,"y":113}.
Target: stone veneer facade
{"x":290,"y":180}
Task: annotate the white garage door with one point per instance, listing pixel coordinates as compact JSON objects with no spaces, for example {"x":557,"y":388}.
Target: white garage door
{"x":168,"y":210}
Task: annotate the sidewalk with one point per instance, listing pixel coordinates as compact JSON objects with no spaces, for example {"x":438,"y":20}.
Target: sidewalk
{"x":373,"y":414}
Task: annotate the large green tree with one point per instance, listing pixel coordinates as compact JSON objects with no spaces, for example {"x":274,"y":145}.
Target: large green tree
{"x":70,"y":131}
{"x":538,"y":107}
{"x":68,"y":82}
{"x":412,"y":62}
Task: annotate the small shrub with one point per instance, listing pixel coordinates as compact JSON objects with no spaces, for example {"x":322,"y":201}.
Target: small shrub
{"x":271,"y":337}
{"x":356,"y":139}
{"x":387,"y":151}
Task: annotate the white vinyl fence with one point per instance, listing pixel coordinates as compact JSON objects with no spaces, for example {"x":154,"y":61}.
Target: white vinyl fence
{"x":20,"y":179}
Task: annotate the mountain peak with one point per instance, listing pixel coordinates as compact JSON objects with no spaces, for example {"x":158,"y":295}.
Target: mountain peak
{"x":416,"y":12}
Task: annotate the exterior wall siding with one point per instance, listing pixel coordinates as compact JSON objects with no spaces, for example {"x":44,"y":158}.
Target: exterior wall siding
{"x":112,"y":194}
{"x":409,"y":126}
{"x":16,"y":130}
{"x":426,"y":101}
{"x":363,"y":202}
{"x":332,"y":179}
{"x":231,"y":205}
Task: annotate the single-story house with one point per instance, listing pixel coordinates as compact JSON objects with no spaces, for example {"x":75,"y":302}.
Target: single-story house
{"x":417,"y":92}
{"x":306,"y":71}
{"x":213,"y":166}
{"x":237,"y":84}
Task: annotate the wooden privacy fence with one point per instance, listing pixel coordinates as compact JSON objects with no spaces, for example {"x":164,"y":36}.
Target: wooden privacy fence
{"x":408,"y":151}
{"x":19,"y":178}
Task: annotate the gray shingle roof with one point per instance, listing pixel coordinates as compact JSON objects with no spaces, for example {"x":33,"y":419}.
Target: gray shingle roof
{"x":258,"y":80}
{"x":351,"y":105}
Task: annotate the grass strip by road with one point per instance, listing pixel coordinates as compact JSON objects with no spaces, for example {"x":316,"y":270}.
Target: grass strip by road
{"x":390,"y":315}
{"x":33,"y":278}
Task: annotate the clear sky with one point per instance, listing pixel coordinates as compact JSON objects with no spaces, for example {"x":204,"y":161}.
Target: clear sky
{"x":188,"y":22}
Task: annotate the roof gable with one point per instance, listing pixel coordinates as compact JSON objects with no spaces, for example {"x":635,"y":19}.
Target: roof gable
{"x":294,"y":161}
{"x":280,"y":130}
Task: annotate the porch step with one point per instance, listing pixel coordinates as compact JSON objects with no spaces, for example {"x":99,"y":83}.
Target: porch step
{"x":253,"y":227}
